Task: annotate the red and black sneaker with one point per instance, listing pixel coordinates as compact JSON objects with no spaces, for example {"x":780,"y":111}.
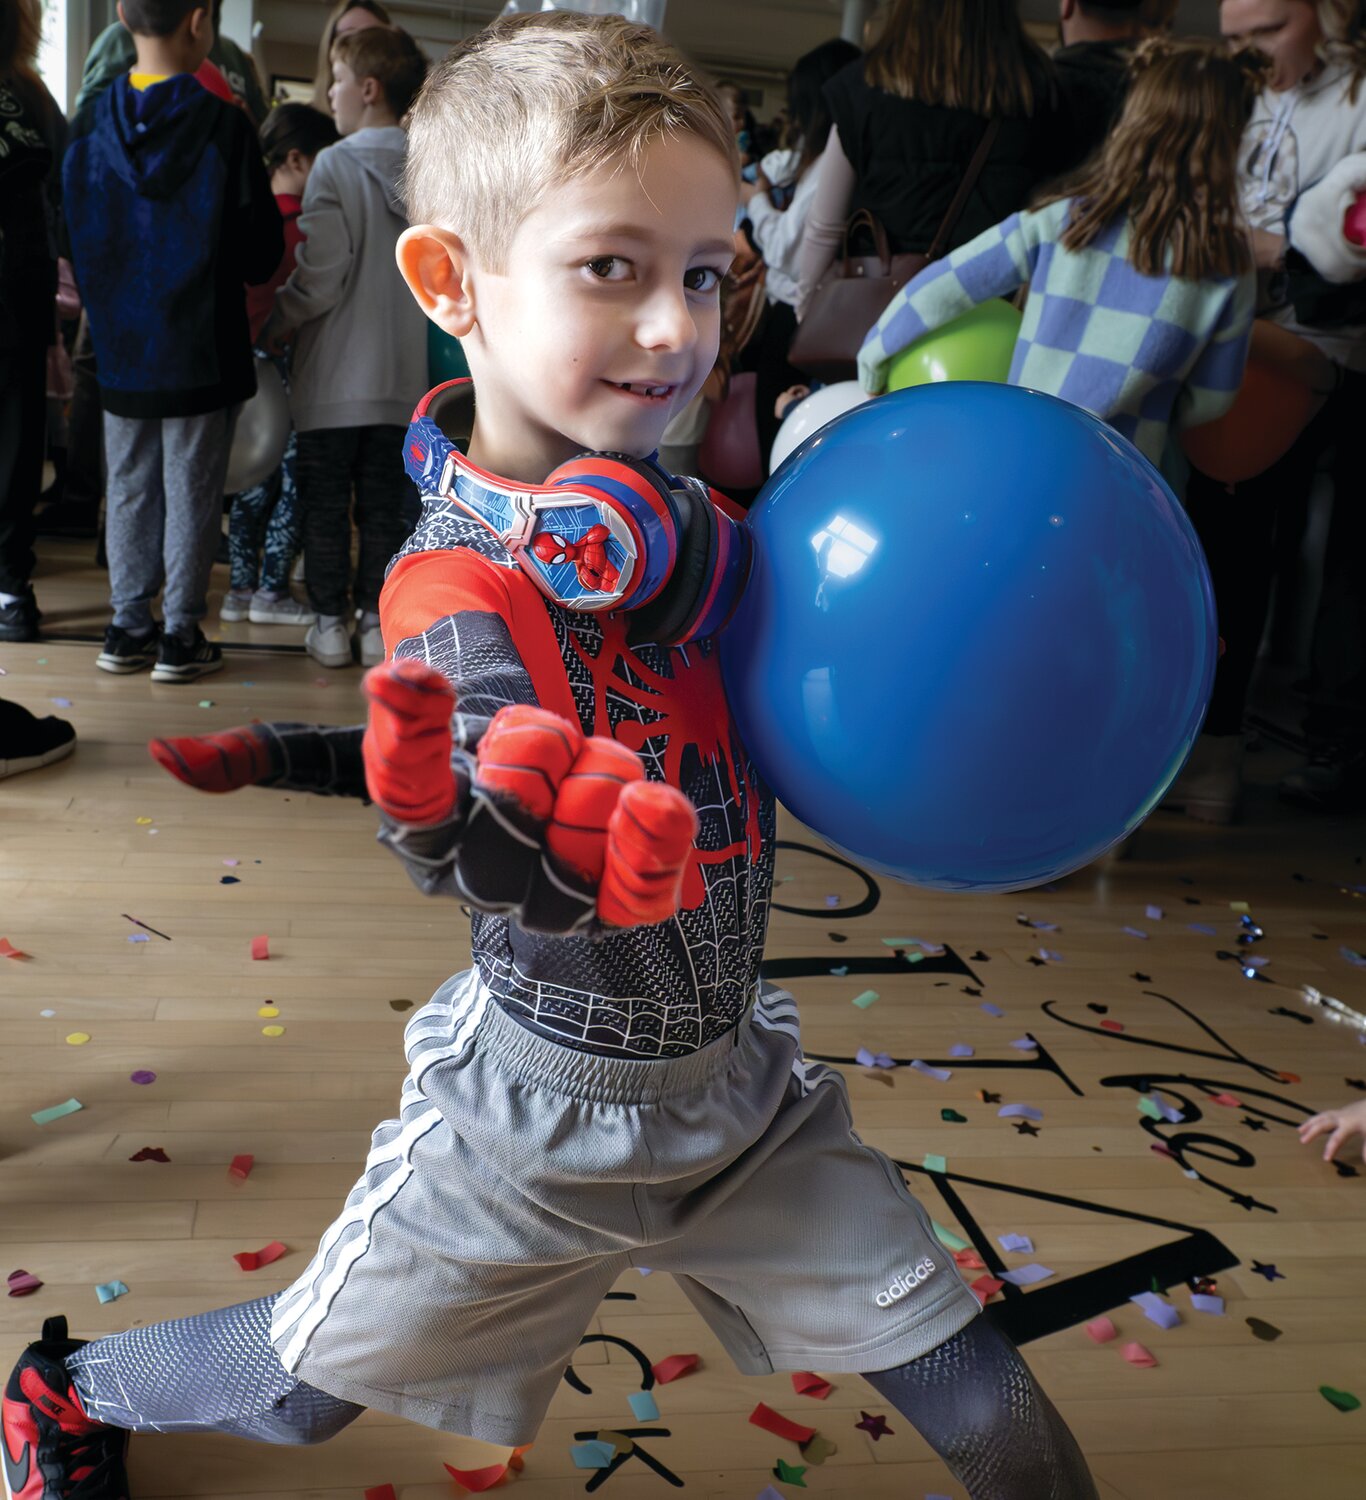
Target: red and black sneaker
{"x":49,"y":1448}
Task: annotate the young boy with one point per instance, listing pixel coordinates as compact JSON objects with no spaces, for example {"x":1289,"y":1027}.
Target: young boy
{"x":360,"y":359}
{"x":169,"y":211}
{"x":609,"y":1086}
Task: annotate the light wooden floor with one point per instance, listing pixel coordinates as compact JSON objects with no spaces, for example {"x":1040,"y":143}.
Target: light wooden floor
{"x":1223,"y":1414}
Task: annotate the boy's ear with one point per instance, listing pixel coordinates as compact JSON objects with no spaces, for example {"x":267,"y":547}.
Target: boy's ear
{"x":370,"y":91}
{"x":436,"y":265}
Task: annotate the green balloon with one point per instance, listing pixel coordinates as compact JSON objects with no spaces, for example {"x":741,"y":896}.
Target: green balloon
{"x":977,"y":346}
{"x":445,"y":357}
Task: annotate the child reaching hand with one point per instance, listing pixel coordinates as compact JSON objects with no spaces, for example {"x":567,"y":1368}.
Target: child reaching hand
{"x":1141,"y":285}
{"x":1340,"y":1125}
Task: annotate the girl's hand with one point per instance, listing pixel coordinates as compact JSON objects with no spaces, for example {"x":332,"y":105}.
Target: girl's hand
{"x":1344,"y":1123}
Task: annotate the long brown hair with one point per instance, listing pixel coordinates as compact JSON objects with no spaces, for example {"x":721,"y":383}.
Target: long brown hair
{"x":1170,"y":163}
{"x":322,"y":79}
{"x":20,"y":35}
{"x":966,"y":54}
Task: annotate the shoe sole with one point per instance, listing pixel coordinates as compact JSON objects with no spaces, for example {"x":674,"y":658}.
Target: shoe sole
{"x":306,"y":618}
{"x":330,"y":658}
{"x":190,"y":672}
{"x":233,"y":616}
{"x":35,"y":762}
{"x":121,"y":665}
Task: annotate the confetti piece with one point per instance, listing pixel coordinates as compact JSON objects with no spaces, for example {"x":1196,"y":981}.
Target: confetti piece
{"x":969,"y":1260}
{"x":1238,"y":906}
{"x":138,"y":937}
{"x":229,"y":880}
{"x":643,"y":1406}
{"x":142,"y":822}
{"x":479,"y":1480}
{"x":790,"y":1473}
{"x":253,"y":1260}
{"x":268,"y":1010}
{"x":952,"y":1117}
{"x":617,"y":1441}
{"x":1135,"y":932}
{"x":1101,"y":1330}
{"x":875,"y":1426}
{"x":1049,"y":955}
{"x":380,"y":1492}
{"x":46,"y":1116}
{"x":866,"y":1059}
{"x":1149,"y":1107}
{"x":260,"y":947}
{"x":47,"y":1015}
{"x":231,"y":863}
{"x":941,"y":1074}
{"x":1016,"y":1244}
{"x":867,"y":998}
{"x":206,"y":703}
{"x":241,"y":1167}
{"x":806,"y":1383}
{"x":772,"y":1421}
{"x":78,"y":1039}
{"x":1019,"y":1112}
{"x":840,"y":969}
{"x":1025,"y":1044}
{"x":1267,"y":1332}
{"x":1112,"y":1026}
{"x":61,"y":702}
{"x":150,"y":1153}
{"x":1157,"y":1309}
{"x":984,"y":1287}
{"x":818,"y":1449}
{"x":1153,"y":913}
{"x":675,"y":1367}
{"x":947,"y":1237}
{"x":111,"y":1291}
{"x":1136,"y":1354}
{"x":1025,"y":921}
{"x":1353,"y":957}
{"x":769,"y":1493}
{"x":8,"y":950}
{"x":272,"y":1031}
{"x":1343,"y":1400}
{"x":961,"y":1049}
{"x":992,"y":1010}
{"x":1026,"y":1275}
{"x":22,"y":1284}
{"x":1229,"y":1101}
{"x":143,"y":1076}
{"x":1206,"y":1302}
{"x":933,"y":1163}
{"x":1203,"y":928}
{"x":832,"y":901}
{"x":400,"y":1005}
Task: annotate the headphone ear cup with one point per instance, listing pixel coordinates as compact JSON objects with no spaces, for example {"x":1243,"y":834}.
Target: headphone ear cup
{"x":669,"y":618}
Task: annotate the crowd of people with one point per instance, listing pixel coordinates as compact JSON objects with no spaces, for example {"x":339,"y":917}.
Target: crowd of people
{"x":1146,"y":203}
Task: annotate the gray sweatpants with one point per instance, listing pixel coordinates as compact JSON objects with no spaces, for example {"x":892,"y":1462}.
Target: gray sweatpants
{"x":165,"y":512}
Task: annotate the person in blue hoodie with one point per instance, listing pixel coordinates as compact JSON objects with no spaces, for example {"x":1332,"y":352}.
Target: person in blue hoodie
{"x":169,"y":211}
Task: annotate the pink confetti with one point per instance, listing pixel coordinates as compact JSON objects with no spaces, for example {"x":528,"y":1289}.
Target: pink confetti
{"x":260,"y":947}
{"x":253,"y":1260}
{"x":1136,"y":1354}
{"x":1101,"y":1330}
{"x":22,"y":1283}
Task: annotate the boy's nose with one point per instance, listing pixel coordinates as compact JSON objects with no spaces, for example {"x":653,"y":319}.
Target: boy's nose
{"x":666,"y":322}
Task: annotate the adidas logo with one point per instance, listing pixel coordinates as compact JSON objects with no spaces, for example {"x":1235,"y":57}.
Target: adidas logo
{"x":906,"y":1283}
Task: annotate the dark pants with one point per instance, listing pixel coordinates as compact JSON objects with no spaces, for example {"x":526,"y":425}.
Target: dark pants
{"x":83,"y":484}
{"x":766,"y":355}
{"x":23,"y":428}
{"x":1239,"y":531}
{"x":331,"y":461}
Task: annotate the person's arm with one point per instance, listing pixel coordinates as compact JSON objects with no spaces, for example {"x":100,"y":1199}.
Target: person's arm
{"x":111,"y":53}
{"x":999,"y":261}
{"x":322,"y":263}
{"x":778,"y":233}
{"x":825,"y":223}
{"x":1212,"y":385}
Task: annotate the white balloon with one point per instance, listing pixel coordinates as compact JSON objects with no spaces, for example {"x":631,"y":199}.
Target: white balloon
{"x":811,"y":415}
{"x":262,"y":431}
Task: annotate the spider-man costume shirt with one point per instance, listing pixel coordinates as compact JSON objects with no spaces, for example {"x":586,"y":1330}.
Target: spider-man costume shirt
{"x":456,"y":599}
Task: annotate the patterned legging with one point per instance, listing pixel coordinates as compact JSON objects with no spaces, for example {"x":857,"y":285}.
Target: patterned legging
{"x":265,"y":529}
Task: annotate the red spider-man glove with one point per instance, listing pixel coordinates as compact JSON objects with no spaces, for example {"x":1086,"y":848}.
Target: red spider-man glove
{"x":407,"y":744}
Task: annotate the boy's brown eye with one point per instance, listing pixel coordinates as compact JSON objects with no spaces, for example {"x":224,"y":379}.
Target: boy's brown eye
{"x":702,"y":279}
{"x":607,"y":267}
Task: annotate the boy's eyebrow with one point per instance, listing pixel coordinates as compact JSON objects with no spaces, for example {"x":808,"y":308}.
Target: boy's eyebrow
{"x":629,"y":231}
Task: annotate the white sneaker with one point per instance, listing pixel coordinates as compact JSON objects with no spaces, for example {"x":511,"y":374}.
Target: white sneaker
{"x":1210,"y":787}
{"x":283,"y":609}
{"x":371,"y":645}
{"x":236,"y":605}
{"x":328,"y":643}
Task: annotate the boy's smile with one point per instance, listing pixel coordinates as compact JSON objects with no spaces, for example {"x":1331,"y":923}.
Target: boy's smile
{"x":605,"y":317}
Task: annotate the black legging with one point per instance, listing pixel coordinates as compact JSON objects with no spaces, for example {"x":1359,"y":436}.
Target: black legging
{"x":972,"y":1399}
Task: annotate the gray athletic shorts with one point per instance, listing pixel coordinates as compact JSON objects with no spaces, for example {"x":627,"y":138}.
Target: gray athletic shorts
{"x":522,"y":1178}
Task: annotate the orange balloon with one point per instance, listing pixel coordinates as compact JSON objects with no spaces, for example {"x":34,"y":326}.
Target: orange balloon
{"x":1286,"y":381}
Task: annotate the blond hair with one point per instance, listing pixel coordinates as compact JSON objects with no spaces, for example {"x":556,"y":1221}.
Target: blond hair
{"x":1170,"y":163}
{"x":1343,"y":25}
{"x":535,"y":100}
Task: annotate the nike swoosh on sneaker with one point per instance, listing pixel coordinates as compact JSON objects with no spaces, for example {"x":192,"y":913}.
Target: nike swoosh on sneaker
{"x":15,"y":1477}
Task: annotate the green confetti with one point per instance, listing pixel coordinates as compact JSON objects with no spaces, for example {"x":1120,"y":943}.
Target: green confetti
{"x":46,"y":1116}
{"x":42,"y":661}
{"x":915,"y":958}
{"x":790,"y":1473}
{"x":206,"y":703}
{"x":952,"y":1117}
{"x":1147,"y":1107}
{"x":1343,"y":1400}
{"x":933,"y":1163}
{"x":867,"y":998}
{"x":947,"y":1237}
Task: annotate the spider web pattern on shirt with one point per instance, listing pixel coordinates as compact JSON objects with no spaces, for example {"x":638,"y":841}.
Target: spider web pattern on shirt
{"x":660,"y":991}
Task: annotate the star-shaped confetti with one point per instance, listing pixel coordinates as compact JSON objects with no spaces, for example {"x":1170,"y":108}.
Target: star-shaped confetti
{"x":1254,"y":1124}
{"x":1142,"y":978}
{"x":980,"y":958}
{"x":1025,"y":1127}
{"x":987,"y":1097}
{"x":875,"y":1427}
{"x":1269,"y":1271}
{"x":1345,"y":1169}
{"x":1356,"y":1083}
{"x":790,"y":1473}
{"x":969,"y":989}
{"x":1035,"y":960}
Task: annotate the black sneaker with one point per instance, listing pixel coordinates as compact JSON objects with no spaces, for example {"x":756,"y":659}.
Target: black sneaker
{"x":1333,"y":780}
{"x":27,"y":743}
{"x":180,"y":660}
{"x":50,"y":1449}
{"x":124,"y":653}
{"x":19,"y":621}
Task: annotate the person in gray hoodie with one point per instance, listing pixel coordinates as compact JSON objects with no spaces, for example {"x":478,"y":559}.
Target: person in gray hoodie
{"x":360,"y":355}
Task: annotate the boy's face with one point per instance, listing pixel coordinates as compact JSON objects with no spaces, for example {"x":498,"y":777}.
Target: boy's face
{"x":606,"y":316}
{"x":347,"y":98}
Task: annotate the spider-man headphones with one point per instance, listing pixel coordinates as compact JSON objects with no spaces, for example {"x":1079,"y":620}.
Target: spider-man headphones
{"x":603,"y":532}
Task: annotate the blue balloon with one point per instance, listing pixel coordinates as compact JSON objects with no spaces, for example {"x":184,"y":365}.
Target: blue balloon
{"x":979,"y":638}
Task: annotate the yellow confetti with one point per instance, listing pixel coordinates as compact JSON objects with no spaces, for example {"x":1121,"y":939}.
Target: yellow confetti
{"x":78,"y":1038}
{"x":142,"y":822}
{"x":272,"y":1031}
{"x":1238,"y":906}
{"x":269,"y":1010}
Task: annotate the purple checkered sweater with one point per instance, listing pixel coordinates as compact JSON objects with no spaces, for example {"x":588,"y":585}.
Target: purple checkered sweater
{"x":1144,"y":353}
